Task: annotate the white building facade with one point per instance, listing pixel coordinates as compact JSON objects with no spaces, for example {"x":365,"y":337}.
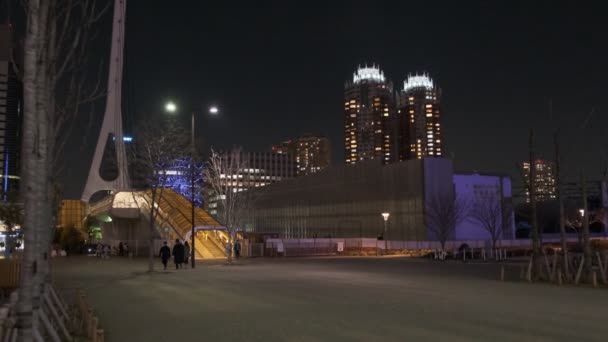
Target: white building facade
{"x":482,"y":193}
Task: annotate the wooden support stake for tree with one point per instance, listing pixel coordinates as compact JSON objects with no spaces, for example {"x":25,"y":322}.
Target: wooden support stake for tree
{"x":547,"y":265}
{"x":100,"y":335}
{"x":602,"y":269}
{"x":60,"y":303}
{"x":572,"y":262}
{"x":554,"y":267}
{"x":580,"y":270}
{"x":529,"y":272}
{"x":56,"y":315}
{"x":93,"y":332}
{"x":48,"y":327}
{"x":606,"y":264}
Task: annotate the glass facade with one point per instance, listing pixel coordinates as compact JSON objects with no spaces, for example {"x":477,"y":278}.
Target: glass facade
{"x":347,"y":201}
{"x":72,"y":213}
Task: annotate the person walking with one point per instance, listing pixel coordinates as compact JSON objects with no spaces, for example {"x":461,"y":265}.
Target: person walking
{"x":237,"y":249}
{"x":186,"y":252}
{"x":178,"y":254}
{"x":165,"y":254}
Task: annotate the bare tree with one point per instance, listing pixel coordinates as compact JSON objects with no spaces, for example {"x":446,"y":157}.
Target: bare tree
{"x":494,"y":215}
{"x":55,"y":46}
{"x":560,"y":199}
{"x":157,"y":154}
{"x":225,"y":175}
{"x":587,"y":262}
{"x":34,"y":161}
{"x":443,"y":213}
{"x":531,"y":185}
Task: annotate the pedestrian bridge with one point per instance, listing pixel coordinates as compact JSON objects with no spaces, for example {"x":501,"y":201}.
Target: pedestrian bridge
{"x":125,"y":216}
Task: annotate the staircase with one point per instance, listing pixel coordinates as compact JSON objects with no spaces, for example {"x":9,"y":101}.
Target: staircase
{"x":213,"y":251}
{"x":175,"y":212}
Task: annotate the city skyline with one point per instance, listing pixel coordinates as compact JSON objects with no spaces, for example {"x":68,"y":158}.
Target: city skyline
{"x":498,"y":78}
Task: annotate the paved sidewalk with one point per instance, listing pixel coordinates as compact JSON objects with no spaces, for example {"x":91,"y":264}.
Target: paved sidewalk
{"x":330,"y":299}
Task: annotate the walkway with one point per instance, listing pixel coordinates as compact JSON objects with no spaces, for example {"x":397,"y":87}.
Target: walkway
{"x":331,"y":299}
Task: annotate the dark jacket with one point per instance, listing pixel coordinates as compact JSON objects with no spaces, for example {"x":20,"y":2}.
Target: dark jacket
{"x":165,"y":252}
{"x":178,"y":253}
{"x":186,"y":251}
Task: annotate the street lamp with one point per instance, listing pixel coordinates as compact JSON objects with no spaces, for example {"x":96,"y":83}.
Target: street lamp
{"x":171,"y":107}
{"x":385,"y":217}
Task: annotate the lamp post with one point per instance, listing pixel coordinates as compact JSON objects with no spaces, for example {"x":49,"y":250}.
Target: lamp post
{"x":385,"y":217}
{"x":171,"y":107}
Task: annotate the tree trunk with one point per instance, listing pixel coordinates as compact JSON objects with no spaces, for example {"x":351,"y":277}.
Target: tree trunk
{"x":586,"y":241}
{"x":151,"y":231}
{"x":536,"y":246}
{"x":29,"y":172}
{"x":560,"y":199}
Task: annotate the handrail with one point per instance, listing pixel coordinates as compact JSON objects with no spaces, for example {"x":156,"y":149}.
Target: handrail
{"x":101,"y":205}
{"x":218,"y":244}
{"x":166,"y":216}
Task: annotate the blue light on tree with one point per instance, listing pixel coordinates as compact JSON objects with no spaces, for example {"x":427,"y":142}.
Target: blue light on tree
{"x":180,"y":179}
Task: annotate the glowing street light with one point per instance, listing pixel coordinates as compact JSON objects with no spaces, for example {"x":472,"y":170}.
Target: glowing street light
{"x":170,"y":107}
{"x":385,"y":217}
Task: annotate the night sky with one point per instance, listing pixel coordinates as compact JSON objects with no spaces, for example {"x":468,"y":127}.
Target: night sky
{"x":277,"y":70}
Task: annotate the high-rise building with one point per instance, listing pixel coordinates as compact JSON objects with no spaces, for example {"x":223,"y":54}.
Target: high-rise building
{"x":285,"y":147}
{"x":11,"y":111}
{"x":544,"y":180}
{"x":258,"y":169}
{"x":419,"y":112}
{"x":368,"y":111}
{"x":311,"y":153}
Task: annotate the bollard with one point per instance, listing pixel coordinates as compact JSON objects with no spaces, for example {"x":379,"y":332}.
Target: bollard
{"x":483,"y":254}
{"x":594,"y":278}
{"x":464,"y":255}
{"x":502,"y":273}
{"x":559,"y":277}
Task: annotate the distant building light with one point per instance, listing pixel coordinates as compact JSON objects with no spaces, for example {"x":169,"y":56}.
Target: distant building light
{"x":368,"y":73}
{"x":418,"y":81}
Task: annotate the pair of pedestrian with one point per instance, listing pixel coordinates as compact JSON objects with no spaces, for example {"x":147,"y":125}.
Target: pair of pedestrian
{"x":180,"y":253}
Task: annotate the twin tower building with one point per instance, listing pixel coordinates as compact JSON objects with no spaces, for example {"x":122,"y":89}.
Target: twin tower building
{"x":391,"y":124}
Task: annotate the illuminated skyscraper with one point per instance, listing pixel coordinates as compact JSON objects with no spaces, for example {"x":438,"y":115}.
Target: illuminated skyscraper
{"x":311,"y":153}
{"x":544,"y":180}
{"x":368,"y":110}
{"x":419,"y":112}
{"x":11,"y":111}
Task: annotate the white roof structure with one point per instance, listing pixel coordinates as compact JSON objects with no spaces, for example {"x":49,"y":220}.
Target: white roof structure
{"x":368,"y":73}
{"x":418,"y":81}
